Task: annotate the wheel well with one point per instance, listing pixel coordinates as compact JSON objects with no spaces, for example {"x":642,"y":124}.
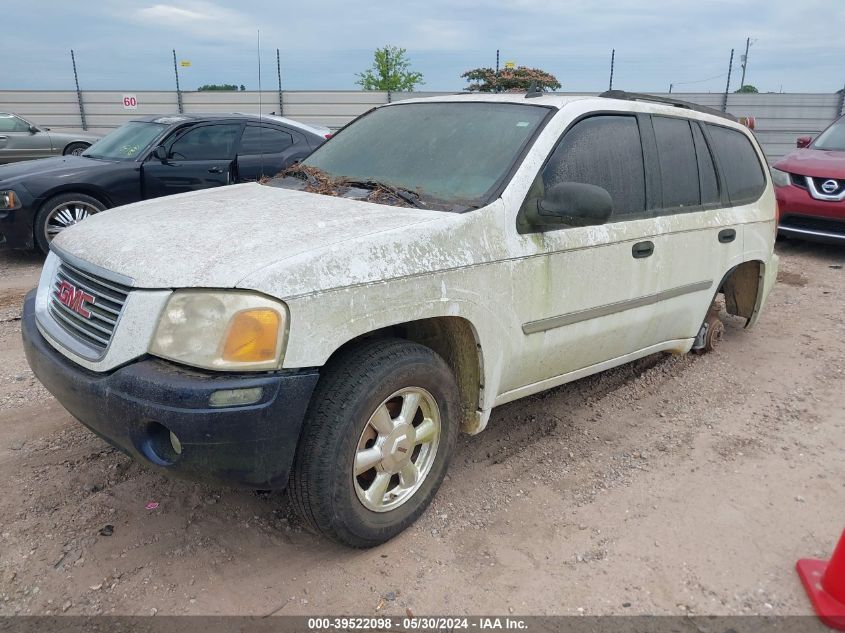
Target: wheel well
{"x":454,"y":340}
{"x":75,"y":188}
{"x":64,"y":149}
{"x":741,"y":287}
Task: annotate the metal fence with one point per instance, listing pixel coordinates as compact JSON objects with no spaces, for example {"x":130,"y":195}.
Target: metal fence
{"x":780,"y":118}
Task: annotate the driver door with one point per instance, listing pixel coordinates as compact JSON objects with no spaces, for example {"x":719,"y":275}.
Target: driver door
{"x":199,"y":157}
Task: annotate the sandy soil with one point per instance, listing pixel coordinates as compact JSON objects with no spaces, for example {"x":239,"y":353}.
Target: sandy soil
{"x":674,"y":485}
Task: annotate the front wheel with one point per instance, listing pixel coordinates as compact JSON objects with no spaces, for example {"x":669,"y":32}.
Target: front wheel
{"x":75,"y":149}
{"x":60,"y":212}
{"x":376,"y":442}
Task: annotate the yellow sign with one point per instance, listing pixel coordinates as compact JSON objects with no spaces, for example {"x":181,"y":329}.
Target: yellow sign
{"x":185,"y":63}
{"x":510,"y":65}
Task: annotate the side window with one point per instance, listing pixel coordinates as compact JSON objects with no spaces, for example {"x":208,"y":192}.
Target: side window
{"x":264,"y":140}
{"x":706,"y":168}
{"x":738,"y":163}
{"x":678,"y":164}
{"x":207,"y":142}
{"x":606,"y":151}
{"x":11,"y":123}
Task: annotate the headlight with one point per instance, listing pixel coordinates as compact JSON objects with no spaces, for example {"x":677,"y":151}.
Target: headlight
{"x":235,"y":331}
{"x":780,"y":178}
{"x":8,"y":200}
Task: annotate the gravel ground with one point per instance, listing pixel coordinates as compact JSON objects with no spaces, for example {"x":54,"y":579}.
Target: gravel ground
{"x":675,"y":485}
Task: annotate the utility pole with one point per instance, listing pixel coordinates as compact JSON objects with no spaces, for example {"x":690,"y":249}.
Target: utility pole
{"x":612,"y":59}
{"x":728,"y":85}
{"x":178,"y":91}
{"x":497,"y":70}
{"x":670,"y":88}
{"x":745,"y":61}
{"x":279,"y":73}
{"x":387,"y":65}
{"x":78,"y":92}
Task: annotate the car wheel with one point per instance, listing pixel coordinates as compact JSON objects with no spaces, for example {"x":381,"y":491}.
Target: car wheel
{"x":376,"y":442}
{"x":75,"y":149}
{"x":60,"y":212}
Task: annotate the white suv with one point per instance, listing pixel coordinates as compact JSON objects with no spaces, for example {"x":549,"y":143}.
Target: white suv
{"x":332,"y":331}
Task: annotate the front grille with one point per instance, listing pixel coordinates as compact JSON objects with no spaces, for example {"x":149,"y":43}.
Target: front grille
{"x":102,"y":302}
{"x":798,"y":181}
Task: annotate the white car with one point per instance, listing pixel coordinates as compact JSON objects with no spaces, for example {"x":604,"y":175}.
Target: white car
{"x":333,"y":331}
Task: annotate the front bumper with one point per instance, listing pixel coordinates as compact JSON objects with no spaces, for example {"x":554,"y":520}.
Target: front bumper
{"x":136,"y":407}
{"x":803,"y":216}
{"x":16,"y":225}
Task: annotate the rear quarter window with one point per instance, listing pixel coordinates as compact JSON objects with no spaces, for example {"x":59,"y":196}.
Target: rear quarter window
{"x":738,"y":163}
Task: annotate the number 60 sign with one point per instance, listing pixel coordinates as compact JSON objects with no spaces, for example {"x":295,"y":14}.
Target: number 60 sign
{"x":130,"y":102}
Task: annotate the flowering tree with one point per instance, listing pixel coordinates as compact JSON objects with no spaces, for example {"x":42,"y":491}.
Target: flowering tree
{"x":519,"y":79}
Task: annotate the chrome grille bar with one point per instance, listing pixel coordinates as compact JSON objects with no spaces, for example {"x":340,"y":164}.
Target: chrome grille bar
{"x":86,"y":306}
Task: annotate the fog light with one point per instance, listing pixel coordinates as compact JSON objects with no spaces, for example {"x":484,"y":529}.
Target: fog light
{"x":175,"y":443}
{"x":234,"y":397}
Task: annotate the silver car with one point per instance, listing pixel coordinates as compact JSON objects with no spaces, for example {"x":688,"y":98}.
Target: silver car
{"x":21,"y":140}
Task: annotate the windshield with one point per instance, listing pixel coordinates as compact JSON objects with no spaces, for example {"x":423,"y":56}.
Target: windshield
{"x":126,"y":142}
{"x":452,"y":152}
{"x":832,"y":138}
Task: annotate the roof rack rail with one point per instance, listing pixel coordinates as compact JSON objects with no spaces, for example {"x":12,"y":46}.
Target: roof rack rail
{"x":677,"y":103}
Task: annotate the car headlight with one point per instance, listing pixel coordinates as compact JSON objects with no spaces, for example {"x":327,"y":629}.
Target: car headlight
{"x":780,"y":178}
{"x":222,"y":330}
{"x":8,"y":200}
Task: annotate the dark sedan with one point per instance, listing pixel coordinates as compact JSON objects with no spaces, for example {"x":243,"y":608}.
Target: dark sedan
{"x":147,"y":158}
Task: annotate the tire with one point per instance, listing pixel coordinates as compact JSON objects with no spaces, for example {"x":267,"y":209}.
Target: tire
{"x":62,"y":211}
{"x":371,"y":379}
{"x":75,"y":149}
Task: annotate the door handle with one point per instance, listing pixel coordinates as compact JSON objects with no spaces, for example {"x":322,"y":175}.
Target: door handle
{"x":727,"y":235}
{"x":215,"y":170}
{"x":642,"y":249}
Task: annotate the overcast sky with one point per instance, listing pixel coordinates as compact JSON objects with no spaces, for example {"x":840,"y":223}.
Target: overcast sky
{"x":126,"y":44}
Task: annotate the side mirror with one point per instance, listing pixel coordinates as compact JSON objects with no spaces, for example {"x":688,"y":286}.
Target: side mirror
{"x":803,"y":141}
{"x":33,"y":129}
{"x":571,"y":204}
{"x":160,"y":153}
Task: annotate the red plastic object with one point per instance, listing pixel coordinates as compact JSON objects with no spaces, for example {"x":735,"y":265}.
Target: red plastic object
{"x":825,"y":585}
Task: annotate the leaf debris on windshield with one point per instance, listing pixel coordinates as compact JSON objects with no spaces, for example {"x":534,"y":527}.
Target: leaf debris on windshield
{"x":318,"y":181}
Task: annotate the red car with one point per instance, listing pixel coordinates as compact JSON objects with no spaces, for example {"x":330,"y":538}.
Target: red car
{"x":810,"y":187}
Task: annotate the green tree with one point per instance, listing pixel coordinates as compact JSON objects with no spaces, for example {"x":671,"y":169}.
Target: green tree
{"x":519,"y":79}
{"x":391,"y":70}
{"x":747,"y":88}
{"x":211,"y":87}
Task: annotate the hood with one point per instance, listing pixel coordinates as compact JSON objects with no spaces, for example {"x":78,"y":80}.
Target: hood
{"x":57,"y":166}
{"x":217,"y":237}
{"x":822,"y":163}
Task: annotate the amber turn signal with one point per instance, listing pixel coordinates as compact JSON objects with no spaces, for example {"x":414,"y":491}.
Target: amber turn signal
{"x":253,"y":336}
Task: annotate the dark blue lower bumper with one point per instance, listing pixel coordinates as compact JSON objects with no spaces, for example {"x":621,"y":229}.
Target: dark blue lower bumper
{"x":136,"y":407}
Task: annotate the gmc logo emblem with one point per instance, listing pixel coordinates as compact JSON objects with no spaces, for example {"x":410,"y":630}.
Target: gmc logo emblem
{"x":75,"y":298}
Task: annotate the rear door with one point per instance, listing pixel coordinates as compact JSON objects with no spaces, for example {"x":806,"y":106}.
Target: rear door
{"x":198,"y":157}
{"x":266,"y":150}
{"x":703,"y":231}
{"x":17,"y":142}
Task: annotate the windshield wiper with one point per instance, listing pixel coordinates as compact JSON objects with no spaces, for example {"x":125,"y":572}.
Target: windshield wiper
{"x":411,"y":197}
